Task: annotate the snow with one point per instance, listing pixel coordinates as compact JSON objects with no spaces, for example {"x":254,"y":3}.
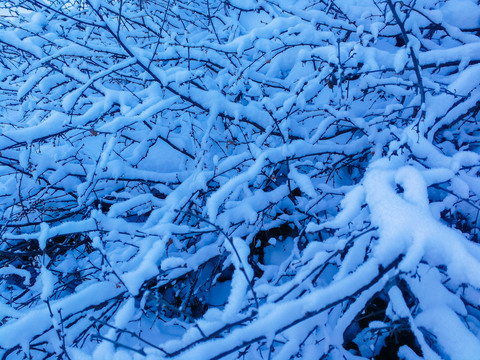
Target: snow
{"x":48,"y":283}
{"x":71,"y":99}
{"x":463,"y":85}
{"x":274,"y":317}
{"x":457,"y":341}
{"x":91,"y":295}
{"x":303,"y":181}
{"x":463,"y":14}
{"x":147,"y":269}
{"x":7,"y":270}
{"x":31,"y":83}
{"x":406,"y":224}
{"x":243,"y":179}
{"x":351,"y":205}
{"x":400,"y":61}
{"x":11,"y":38}
{"x":53,"y":123}
{"x":106,"y":349}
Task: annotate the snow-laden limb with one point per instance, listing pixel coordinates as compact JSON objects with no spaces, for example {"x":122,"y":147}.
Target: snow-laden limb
{"x":93,"y":295}
{"x":405,"y":225}
{"x":273,"y":319}
{"x":239,"y":179}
